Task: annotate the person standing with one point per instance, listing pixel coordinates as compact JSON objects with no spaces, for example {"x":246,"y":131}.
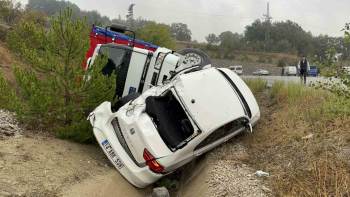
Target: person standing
{"x":303,"y":68}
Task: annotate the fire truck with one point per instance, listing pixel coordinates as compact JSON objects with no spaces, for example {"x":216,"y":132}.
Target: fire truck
{"x":113,"y":34}
{"x":139,"y":65}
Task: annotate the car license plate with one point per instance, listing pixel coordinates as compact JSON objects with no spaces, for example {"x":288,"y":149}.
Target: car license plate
{"x":114,"y":157}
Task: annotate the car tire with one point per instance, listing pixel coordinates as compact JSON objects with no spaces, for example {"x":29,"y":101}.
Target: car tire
{"x":205,"y":60}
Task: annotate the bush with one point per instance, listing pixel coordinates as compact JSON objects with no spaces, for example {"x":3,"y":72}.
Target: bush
{"x":54,"y":93}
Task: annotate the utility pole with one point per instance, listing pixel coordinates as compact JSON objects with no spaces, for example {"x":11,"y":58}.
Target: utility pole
{"x":130,"y":15}
{"x":267,"y":20}
{"x":267,"y":16}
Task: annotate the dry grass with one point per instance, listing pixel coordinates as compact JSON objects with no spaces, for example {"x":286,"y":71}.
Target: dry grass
{"x":300,"y":141}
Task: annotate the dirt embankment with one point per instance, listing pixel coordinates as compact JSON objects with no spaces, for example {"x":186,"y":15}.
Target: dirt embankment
{"x":6,"y":62}
{"x":41,"y":165}
{"x":35,"y":164}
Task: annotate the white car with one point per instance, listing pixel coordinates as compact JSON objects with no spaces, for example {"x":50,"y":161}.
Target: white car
{"x":290,"y":70}
{"x":167,"y":126}
{"x":237,"y":69}
{"x":261,"y":72}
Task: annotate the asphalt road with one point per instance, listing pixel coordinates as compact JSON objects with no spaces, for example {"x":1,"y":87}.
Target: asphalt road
{"x":288,"y":79}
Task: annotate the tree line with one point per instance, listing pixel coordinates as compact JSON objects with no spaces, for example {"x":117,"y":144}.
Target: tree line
{"x":283,"y":36}
{"x":260,"y":36}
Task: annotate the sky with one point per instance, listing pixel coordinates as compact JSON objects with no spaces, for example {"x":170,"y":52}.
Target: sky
{"x":216,"y":16}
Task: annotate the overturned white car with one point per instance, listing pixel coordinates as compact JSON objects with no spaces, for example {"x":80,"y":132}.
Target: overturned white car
{"x":150,"y":132}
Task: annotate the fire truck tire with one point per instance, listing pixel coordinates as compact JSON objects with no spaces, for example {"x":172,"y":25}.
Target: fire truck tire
{"x":205,"y":60}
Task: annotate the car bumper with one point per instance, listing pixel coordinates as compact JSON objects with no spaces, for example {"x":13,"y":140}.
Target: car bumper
{"x":106,"y":138}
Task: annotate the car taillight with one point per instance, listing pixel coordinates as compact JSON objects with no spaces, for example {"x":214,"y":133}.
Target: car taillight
{"x":152,"y":163}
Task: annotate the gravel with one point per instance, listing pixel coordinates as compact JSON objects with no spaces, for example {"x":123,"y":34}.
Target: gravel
{"x":8,"y":125}
{"x":229,"y":176}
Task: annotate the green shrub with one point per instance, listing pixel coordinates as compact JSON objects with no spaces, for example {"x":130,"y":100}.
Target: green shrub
{"x":54,"y":93}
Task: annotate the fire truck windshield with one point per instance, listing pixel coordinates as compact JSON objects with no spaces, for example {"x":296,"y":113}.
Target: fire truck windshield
{"x":115,"y":55}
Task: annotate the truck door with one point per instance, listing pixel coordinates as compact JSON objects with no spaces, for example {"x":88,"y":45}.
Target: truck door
{"x":138,"y":67}
{"x":130,"y":66}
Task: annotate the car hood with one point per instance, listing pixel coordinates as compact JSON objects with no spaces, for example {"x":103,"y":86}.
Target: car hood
{"x":208,"y":98}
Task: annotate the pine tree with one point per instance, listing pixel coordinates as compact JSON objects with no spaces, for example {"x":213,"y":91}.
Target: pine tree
{"x":54,"y":91}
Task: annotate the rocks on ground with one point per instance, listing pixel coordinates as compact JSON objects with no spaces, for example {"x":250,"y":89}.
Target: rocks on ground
{"x":8,"y":125}
{"x":229,"y":176}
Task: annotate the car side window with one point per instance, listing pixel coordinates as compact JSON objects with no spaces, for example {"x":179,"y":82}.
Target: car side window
{"x":223,"y":131}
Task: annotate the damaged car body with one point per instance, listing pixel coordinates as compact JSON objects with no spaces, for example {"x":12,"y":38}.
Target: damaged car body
{"x":170,"y":110}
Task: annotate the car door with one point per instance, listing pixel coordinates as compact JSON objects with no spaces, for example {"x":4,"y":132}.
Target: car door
{"x":221,"y":135}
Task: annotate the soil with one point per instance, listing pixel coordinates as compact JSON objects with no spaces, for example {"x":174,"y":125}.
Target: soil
{"x":37,"y":164}
{"x":45,"y":166}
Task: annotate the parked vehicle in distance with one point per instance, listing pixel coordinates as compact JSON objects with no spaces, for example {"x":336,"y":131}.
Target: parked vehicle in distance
{"x":261,"y":72}
{"x":237,"y":69}
{"x":154,"y":133}
{"x":289,"y":71}
{"x":313,"y":71}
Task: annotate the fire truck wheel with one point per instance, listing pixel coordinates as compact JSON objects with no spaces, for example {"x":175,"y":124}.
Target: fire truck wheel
{"x":194,"y":57}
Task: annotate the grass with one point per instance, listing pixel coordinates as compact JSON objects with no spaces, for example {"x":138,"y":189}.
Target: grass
{"x":256,"y":85}
{"x":301,"y":139}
